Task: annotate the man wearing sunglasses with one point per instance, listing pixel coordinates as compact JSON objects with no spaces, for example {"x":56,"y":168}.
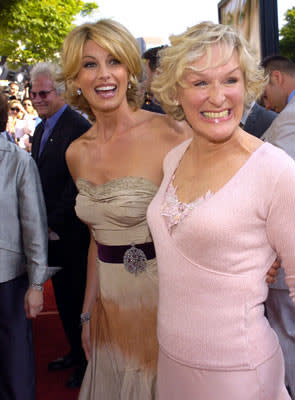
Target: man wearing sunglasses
{"x":69,"y":238}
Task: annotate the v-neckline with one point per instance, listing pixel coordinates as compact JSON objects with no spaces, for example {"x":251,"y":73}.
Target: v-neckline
{"x":227,"y":183}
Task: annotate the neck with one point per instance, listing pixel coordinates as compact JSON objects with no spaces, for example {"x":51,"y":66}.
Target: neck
{"x":112,"y":123}
{"x":289,"y":84}
{"x":204,"y":151}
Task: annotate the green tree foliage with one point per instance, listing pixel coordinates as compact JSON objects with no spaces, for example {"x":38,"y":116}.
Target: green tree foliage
{"x":33,"y":30}
{"x":287,"y":33}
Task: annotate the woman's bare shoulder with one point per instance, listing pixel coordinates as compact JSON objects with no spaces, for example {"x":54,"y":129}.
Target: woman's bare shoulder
{"x":77,"y":150}
{"x":82,"y":142}
{"x":250,"y":143}
{"x":170,"y":129}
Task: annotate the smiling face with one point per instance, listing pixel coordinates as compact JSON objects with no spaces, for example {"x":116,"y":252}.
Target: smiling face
{"x":14,"y":89}
{"x":213,"y":99}
{"x":51,"y":103}
{"x":14,"y":108}
{"x":102,"y":79}
{"x":28,"y":106}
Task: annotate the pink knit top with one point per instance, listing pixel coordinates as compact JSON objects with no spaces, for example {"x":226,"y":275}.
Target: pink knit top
{"x":213,"y":263}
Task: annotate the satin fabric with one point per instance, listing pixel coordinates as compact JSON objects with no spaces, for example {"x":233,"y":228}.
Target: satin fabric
{"x":123,"y":362}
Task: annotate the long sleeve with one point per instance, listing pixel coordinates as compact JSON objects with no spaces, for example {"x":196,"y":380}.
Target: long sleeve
{"x":33,"y":221}
{"x":281,"y":222}
{"x":281,"y":133}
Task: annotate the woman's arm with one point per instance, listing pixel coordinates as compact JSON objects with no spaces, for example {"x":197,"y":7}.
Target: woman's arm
{"x":32,"y":216}
{"x":91,"y":294}
{"x":281,"y":223}
{"x":73,"y":158}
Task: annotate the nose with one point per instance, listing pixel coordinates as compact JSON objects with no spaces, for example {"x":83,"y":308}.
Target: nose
{"x":216,"y":95}
{"x":103,"y":72}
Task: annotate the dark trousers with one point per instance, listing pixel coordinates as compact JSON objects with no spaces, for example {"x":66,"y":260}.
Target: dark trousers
{"x":69,"y":289}
{"x":17,"y":371}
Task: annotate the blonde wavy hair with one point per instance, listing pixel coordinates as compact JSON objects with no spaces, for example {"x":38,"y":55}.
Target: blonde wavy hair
{"x":114,"y":38}
{"x":193,"y":44}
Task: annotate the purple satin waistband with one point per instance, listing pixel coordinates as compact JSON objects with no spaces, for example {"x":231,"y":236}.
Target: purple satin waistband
{"x":115,"y":254}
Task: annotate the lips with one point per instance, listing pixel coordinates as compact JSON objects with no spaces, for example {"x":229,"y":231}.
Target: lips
{"x":106,"y":91}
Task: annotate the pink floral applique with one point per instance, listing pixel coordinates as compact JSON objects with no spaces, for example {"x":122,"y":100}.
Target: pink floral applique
{"x":174,"y":210}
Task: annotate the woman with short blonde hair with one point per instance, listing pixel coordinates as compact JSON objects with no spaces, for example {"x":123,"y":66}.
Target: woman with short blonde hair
{"x":223,"y":212}
{"x":118,"y":41}
{"x":194,"y":44}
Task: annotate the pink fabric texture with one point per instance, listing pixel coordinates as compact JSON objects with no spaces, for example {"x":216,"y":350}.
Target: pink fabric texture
{"x":266,"y":382}
{"x":212,"y":265}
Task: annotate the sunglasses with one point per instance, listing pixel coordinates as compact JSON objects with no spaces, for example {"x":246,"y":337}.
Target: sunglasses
{"x":14,"y":109}
{"x":42,"y":94}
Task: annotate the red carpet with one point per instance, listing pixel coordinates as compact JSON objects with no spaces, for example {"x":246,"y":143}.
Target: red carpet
{"x":50,"y":343}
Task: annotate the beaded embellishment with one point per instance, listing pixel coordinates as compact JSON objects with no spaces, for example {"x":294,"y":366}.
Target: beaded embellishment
{"x":135,"y":260}
{"x":175,"y":210}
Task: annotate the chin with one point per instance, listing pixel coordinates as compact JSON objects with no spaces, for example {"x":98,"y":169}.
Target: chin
{"x":219,"y":139}
{"x":222,"y":137}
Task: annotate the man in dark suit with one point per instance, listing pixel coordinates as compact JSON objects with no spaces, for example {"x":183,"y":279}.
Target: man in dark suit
{"x":68,"y":237}
{"x":152,"y":61}
{"x":257,"y":119}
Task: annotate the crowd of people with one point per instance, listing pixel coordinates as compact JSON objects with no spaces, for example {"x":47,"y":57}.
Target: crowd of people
{"x":22,"y":118}
{"x":162,"y":219}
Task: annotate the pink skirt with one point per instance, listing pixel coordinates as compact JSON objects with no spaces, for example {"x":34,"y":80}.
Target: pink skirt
{"x":177,"y":381}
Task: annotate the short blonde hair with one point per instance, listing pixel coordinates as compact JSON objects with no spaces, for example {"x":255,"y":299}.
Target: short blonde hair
{"x":14,"y":102}
{"x":190,"y":46}
{"x":118,"y":41}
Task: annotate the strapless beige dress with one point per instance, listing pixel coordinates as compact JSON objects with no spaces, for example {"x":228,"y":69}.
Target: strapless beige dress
{"x":123,"y":364}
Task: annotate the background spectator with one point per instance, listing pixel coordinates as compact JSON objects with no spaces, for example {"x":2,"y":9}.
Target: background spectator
{"x":69,"y":237}
{"x":279,"y":96}
{"x":152,"y":59}
{"x":23,"y":265}
{"x":14,"y":92}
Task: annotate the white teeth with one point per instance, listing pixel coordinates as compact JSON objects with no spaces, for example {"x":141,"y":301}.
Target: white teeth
{"x":221,"y":114}
{"x":105,"y":88}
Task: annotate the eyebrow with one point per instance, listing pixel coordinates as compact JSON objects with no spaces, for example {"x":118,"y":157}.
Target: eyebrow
{"x":204,"y":73}
{"x":87,"y":56}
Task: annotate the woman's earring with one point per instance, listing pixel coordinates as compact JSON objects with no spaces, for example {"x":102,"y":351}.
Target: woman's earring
{"x":79,"y":92}
{"x":129,"y":86}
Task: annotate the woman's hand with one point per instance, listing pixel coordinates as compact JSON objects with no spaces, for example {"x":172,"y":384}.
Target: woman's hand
{"x":272,"y":273}
{"x":86,"y":340}
{"x":33,"y":302}
{"x":22,"y":110}
{"x":10,"y":127}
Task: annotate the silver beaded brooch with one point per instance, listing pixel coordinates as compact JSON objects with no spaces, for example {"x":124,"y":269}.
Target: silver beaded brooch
{"x":135,"y":260}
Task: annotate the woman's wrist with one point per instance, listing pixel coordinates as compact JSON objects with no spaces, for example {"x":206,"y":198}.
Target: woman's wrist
{"x":37,"y":286}
{"x":85,"y":317}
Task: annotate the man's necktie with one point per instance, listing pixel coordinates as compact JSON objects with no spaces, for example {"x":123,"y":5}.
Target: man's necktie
{"x":45,"y":135}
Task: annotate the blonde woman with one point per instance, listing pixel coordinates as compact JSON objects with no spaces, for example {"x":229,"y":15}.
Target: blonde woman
{"x":19,"y":125}
{"x":117,"y":168}
{"x":224,"y":209}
